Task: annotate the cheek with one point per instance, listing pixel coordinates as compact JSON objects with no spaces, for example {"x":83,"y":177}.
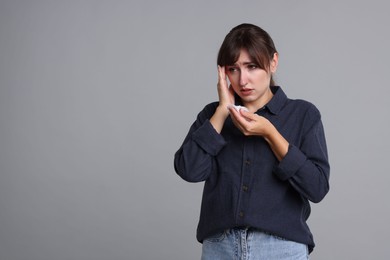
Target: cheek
{"x":233,"y":82}
{"x":263,"y":77}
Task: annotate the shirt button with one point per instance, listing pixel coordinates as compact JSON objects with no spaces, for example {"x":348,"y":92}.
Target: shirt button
{"x":245,"y":188}
{"x":247,"y":162}
{"x":241,"y":214}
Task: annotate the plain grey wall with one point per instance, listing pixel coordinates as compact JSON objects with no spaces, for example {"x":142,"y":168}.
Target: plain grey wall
{"x":96,"y":96}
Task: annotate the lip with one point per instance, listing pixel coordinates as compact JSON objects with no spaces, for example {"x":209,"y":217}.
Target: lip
{"x":246,"y":91}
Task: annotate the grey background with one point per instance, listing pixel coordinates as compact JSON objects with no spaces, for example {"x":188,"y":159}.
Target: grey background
{"x":96,"y":96}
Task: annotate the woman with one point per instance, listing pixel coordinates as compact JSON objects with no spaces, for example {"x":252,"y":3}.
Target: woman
{"x":261,"y":164}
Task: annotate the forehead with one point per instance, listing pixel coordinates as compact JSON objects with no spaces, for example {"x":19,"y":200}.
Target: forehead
{"x":243,"y":57}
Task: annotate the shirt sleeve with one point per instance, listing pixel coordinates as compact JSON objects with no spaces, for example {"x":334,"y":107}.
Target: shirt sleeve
{"x":306,"y":167}
{"x":194,"y":161}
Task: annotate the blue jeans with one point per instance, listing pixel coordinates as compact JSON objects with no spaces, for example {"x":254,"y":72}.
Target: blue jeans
{"x":250,"y":244}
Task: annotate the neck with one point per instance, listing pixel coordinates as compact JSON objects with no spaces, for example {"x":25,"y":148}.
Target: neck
{"x":253,"y":106}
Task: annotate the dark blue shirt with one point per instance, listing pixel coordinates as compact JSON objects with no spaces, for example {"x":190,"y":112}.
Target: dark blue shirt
{"x":245,"y":184}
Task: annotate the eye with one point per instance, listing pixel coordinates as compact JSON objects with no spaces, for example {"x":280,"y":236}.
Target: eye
{"x":253,"y":66}
{"x":232,"y":69}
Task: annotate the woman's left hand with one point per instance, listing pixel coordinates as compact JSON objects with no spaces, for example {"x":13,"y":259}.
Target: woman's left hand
{"x":250,"y":123}
{"x":253,"y":124}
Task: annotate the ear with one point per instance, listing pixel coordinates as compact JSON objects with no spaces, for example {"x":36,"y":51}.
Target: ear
{"x":274,"y":62}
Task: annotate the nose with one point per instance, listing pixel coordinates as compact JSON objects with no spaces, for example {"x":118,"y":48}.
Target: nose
{"x":243,"y":78}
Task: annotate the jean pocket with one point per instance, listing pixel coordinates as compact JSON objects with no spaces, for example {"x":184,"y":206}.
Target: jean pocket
{"x":217,"y":237}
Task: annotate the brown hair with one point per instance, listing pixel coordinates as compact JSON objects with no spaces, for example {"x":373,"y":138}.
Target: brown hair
{"x":257,"y":42}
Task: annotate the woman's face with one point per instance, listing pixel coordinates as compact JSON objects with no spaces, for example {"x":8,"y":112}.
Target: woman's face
{"x":250,"y":82}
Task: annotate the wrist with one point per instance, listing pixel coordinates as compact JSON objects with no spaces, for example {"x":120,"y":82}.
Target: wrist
{"x":279,"y":145}
{"x":219,"y":117}
{"x":269,"y":133}
{"x":222,"y":110}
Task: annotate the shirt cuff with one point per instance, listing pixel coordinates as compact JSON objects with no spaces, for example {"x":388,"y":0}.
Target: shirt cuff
{"x":290,"y":164}
{"x":209,"y":139}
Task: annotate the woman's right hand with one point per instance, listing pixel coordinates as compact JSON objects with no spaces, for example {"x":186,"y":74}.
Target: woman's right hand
{"x":226,"y":98}
{"x":225,"y":93}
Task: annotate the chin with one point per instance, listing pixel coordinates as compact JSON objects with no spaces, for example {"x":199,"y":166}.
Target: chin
{"x":247,"y":99}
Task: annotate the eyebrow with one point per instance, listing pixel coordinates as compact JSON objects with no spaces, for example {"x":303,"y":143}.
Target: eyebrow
{"x":245,"y":63}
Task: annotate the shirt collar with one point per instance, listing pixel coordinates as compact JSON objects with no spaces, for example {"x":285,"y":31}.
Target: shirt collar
{"x":277,"y":101}
{"x":275,"y":104}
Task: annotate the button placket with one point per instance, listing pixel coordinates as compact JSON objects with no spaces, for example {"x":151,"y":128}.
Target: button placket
{"x":245,"y":179}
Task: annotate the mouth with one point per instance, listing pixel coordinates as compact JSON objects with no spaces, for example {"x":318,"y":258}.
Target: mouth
{"x":246,"y":91}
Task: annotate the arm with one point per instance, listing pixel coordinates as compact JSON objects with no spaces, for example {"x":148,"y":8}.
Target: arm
{"x":194,"y":161}
{"x":306,"y":167}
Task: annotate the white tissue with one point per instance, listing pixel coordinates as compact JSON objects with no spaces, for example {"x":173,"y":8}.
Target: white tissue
{"x":238,"y":108}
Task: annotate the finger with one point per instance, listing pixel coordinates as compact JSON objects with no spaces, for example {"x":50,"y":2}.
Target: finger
{"x":247,"y":115}
{"x":231,"y":108}
{"x":237,"y":118}
{"x":233,"y":112}
{"x":221,"y":73}
{"x":234,"y":115}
